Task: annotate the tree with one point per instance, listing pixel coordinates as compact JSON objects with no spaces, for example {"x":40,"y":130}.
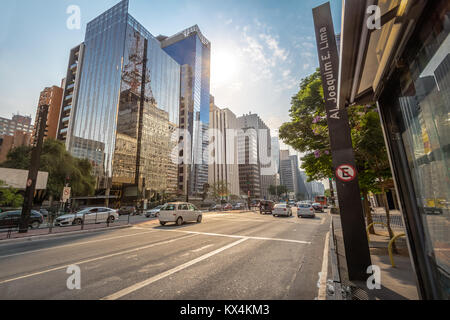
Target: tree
{"x":220,"y":190}
{"x":9,"y":197}
{"x":307,"y":132}
{"x":61,"y":166}
{"x":278,"y":190}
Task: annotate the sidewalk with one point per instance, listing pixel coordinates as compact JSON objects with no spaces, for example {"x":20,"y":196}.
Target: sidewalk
{"x":396,"y":283}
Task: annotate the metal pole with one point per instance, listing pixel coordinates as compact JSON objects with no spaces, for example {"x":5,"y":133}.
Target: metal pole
{"x":34,"y":169}
{"x":353,"y":224}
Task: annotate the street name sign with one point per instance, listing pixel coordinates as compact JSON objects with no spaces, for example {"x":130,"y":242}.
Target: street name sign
{"x":351,"y":210}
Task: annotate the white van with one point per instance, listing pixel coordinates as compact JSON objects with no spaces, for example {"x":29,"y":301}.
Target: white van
{"x":179,"y":212}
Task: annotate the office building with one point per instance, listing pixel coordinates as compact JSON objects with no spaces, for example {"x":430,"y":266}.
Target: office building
{"x":14,"y":133}
{"x":121,"y":107}
{"x":52,"y":97}
{"x":224,"y":167}
{"x":276,"y":153}
{"x":17,"y":123}
{"x":290,"y":175}
{"x":192,"y":51}
{"x":9,"y":142}
{"x":252,"y":127}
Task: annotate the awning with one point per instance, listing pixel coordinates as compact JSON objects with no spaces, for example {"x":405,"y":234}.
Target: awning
{"x":369,"y":55}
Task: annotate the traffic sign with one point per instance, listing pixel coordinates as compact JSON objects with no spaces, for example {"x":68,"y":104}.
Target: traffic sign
{"x":66,"y":194}
{"x":346,"y":173}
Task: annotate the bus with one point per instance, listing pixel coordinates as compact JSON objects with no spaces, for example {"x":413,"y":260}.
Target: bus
{"x":322,"y":200}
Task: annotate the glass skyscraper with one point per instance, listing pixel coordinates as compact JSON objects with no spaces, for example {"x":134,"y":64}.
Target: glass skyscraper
{"x":122,"y":108}
{"x":193,"y":51}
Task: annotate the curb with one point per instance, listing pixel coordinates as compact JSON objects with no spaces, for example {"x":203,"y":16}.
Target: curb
{"x":58,"y":235}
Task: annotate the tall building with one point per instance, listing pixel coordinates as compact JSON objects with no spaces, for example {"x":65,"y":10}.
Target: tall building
{"x":51,"y":96}
{"x":308,"y":185}
{"x":287,"y":176}
{"x":9,"y":142}
{"x":249,"y":169}
{"x":70,"y":86}
{"x":292,"y":177}
{"x":276,"y":153}
{"x":192,"y":51}
{"x":121,"y":107}
{"x":251,"y":126}
{"x":224,"y":167}
{"x":17,"y":123}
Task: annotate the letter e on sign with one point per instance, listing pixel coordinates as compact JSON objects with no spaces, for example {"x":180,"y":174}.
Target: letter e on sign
{"x":346,"y":173}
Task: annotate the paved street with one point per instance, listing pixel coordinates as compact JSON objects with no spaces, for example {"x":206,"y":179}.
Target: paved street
{"x":228,"y":256}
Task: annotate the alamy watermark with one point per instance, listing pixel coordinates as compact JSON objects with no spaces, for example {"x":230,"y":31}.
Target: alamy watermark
{"x":374,"y":19}
{"x":374,"y":280}
{"x":74,"y":20}
{"x":74,"y":281}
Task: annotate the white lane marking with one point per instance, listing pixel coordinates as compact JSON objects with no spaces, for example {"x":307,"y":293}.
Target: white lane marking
{"x":95,"y":259}
{"x":75,"y":244}
{"x":160,"y":276}
{"x":239,"y":237}
{"x":203,"y":248}
{"x":324,"y":273}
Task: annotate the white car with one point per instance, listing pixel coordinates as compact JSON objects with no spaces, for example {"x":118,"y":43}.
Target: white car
{"x":179,"y":212}
{"x":305,"y":210}
{"x":88,"y":215}
{"x":282,"y":209}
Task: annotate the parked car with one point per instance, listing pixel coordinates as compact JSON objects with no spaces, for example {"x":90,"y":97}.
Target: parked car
{"x":266,"y":207}
{"x":11,"y":219}
{"x":227,"y":207}
{"x":153,"y":212}
{"x":88,"y":215}
{"x":317,"y":207}
{"x":238,"y":206}
{"x":127,"y":210}
{"x":305,"y":210}
{"x":282,"y":209}
{"x":179,"y":212}
{"x":216,"y":207}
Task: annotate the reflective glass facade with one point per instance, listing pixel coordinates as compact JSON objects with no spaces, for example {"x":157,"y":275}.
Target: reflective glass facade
{"x":128,"y":106}
{"x":416,"y":109}
{"x":190,"y":48}
{"x":95,"y":114}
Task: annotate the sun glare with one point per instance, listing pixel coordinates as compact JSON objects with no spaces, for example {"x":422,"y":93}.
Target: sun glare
{"x":224,"y":66}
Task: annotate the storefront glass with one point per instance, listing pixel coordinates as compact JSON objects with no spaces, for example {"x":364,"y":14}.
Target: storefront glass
{"x":423,"y":113}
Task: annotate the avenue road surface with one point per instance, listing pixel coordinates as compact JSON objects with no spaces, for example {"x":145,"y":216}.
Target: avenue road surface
{"x":229,"y":256}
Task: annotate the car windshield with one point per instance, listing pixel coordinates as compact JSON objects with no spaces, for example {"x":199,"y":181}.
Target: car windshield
{"x":169,"y":207}
{"x":280,"y":206}
{"x":304,"y":206}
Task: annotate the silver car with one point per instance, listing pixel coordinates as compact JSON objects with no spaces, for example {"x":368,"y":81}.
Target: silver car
{"x":305,"y":210}
{"x":180,"y":212}
{"x":88,"y":215}
{"x":282,"y":209}
{"x":153,"y":212}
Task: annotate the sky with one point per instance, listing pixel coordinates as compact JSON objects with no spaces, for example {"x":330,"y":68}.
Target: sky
{"x":261,"y":49}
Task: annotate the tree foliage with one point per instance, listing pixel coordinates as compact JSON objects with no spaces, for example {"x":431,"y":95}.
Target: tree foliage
{"x":220,"y":190}
{"x":61,"y":166}
{"x":308,"y":133}
{"x":9,"y":197}
{"x":278,"y":190}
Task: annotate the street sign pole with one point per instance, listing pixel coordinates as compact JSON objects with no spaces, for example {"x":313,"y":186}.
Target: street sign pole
{"x":34,"y":169}
{"x":352,"y":219}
